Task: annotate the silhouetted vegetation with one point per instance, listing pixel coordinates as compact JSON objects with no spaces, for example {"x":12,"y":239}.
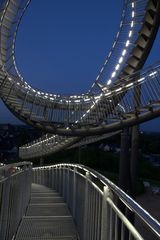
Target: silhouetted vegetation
{"x":148,"y":171}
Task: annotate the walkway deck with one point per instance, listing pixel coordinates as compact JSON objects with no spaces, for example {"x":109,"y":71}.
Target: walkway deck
{"x":47,"y":217}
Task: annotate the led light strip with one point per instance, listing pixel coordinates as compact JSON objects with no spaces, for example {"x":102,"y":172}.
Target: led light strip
{"x":117,"y":67}
{"x":124,"y":51}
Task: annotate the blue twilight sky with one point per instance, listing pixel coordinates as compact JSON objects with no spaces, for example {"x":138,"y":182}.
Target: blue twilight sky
{"x":61,"y":46}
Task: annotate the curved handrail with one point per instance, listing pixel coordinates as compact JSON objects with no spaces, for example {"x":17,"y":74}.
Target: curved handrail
{"x":18,"y":164}
{"x":100,"y":183}
{"x":15,"y":190}
{"x":5,"y":169}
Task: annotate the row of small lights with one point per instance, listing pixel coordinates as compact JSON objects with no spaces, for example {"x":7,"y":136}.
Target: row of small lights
{"x":109,"y":93}
{"x":38,"y":144}
{"x":109,"y":81}
{"x":110,"y":53}
{"x":114,"y":73}
{"x":75,"y":98}
{"x":27,"y":86}
{"x":117,"y":67}
{"x":52,"y":97}
{"x":124,"y":51}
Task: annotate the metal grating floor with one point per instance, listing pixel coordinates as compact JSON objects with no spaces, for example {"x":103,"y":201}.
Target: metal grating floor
{"x":47,"y":217}
{"x":54,"y":194}
{"x":46,"y":199}
{"x":57,"y":209}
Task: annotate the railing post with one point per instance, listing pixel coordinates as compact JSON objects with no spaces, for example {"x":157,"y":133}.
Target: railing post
{"x":47,"y":177}
{"x":124,"y":169}
{"x":68,"y":187}
{"x":64,"y":183}
{"x":32,"y":175}
{"x":86,"y":194}
{"x":41,"y":162}
{"x":5,"y":207}
{"x":50,"y":178}
{"x":134,"y":159}
{"x":105,"y":224}
{"x":29,"y":175}
{"x":36,"y":176}
{"x":74,"y":191}
{"x":56,"y":179}
{"x":135,"y":144}
{"x":60,"y":180}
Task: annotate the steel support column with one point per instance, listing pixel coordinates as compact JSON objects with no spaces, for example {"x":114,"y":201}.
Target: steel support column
{"x":124,"y":169}
{"x":134,"y":159}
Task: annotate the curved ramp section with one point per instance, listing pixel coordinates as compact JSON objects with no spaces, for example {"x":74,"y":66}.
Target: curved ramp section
{"x":47,"y":145}
{"x":139,"y":101}
{"x":74,"y":115}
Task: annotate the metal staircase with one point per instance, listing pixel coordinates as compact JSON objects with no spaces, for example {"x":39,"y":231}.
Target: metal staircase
{"x":47,"y":217}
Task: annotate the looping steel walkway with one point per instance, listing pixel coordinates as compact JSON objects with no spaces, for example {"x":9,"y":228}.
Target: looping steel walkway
{"x":47,"y":217}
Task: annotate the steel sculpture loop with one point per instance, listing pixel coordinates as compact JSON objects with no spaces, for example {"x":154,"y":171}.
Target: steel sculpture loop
{"x":79,"y":114}
{"x":121,"y":96}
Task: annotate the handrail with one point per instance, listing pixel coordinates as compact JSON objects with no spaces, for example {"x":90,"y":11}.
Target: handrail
{"x":100,"y":182}
{"x":5,"y":170}
{"x":142,"y":213}
{"x":18,"y":164}
{"x":15,"y":189}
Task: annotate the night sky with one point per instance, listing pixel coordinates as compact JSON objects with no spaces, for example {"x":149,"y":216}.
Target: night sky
{"x":61,"y":46}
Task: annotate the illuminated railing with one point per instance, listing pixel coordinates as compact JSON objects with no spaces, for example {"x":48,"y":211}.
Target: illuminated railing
{"x":49,"y":144}
{"x":100,"y":209}
{"x":15,"y":185}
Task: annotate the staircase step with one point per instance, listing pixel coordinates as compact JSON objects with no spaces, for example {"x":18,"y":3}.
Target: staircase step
{"x":36,"y":188}
{"x":47,"y":217}
{"x":40,"y":200}
{"x":55,"y":228}
{"x":54,"y":194}
{"x":57,"y":209}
